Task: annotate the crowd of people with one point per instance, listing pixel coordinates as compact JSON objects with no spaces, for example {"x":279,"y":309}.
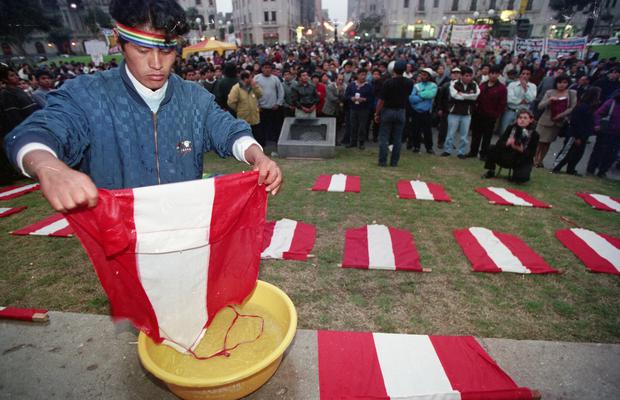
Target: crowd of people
{"x":396,"y":95}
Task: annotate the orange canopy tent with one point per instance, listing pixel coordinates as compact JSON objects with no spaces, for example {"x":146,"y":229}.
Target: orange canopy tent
{"x":208,"y":45}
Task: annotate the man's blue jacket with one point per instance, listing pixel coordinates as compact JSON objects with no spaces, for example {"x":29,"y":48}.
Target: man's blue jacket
{"x":422,"y":95}
{"x":100,"y":125}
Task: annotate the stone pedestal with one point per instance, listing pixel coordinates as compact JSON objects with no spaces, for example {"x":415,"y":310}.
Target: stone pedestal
{"x":308,"y":138}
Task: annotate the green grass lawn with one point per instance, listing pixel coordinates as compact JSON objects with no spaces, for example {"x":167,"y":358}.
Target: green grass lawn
{"x":83,"y":59}
{"x":451,"y":300}
{"x":607,"y":51}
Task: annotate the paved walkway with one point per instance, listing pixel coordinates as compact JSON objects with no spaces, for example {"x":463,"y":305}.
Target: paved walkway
{"x":84,"y":356}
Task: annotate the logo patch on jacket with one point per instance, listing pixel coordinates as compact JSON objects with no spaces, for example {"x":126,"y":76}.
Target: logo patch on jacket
{"x":184,"y":147}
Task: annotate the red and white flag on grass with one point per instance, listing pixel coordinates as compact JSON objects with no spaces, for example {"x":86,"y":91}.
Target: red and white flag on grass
{"x":169,"y":257}
{"x":601,"y":201}
{"x":510,"y":197}
{"x":421,"y":190}
{"x":337,"y":183}
{"x":287,"y":239}
{"x":11,"y":192}
{"x":598,"y":251}
{"x":56,"y":226}
{"x":491,"y":251}
{"x":380,"y":247}
{"x":364,"y":365}
{"x":6,"y":211}
{"x":23,"y":314}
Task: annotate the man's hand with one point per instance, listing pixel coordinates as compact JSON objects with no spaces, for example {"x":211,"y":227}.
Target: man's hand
{"x":268,"y":171}
{"x":64,"y":188}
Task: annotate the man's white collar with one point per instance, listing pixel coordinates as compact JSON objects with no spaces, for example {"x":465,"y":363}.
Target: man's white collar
{"x":152,"y":98}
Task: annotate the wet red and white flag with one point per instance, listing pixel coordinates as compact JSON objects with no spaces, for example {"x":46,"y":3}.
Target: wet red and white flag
{"x":56,"y":226}
{"x":337,"y":183}
{"x":598,"y":251}
{"x":510,"y":197}
{"x":421,"y":190}
{"x":6,"y":211}
{"x":364,"y":365}
{"x":11,"y":192}
{"x":601,"y":201}
{"x":288,"y":240}
{"x":491,"y":251}
{"x":169,"y":257}
{"x":380,"y":247}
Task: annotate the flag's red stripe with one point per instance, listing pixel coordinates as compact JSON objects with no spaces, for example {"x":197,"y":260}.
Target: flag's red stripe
{"x":475,"y":253}
{"x":587,"y":197}
{"x":492,"y":197}
{"x":38,"y":225}
{"x":14,"y":195}
{"x":12,"y":211}
{"x":438,"y":192}
{"x":23,"y":314}
{"x":406,"y":256}
{"x":303,"y":242}
{"x":64,"y":232}
{"x":236,"y":238}
{"x":585,"y":253}
{"x":322,"y":183}
{"x":525,"y":254}
{"x":356,"y":248}
{"x":349,"y":367}
{"x":532,"y":200}
{"x":352,"y":184}
{"x":270,"y":226}
{"x":405,"y":191}
{"x":473,"y":372}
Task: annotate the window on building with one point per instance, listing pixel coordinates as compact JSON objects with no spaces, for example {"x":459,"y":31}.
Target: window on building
{"x":40,"y":48}
{"x":266,"y":16}
{"x":210,"y":3}
{"x":530,"y":4}
{"x":473,"y":6}
{"x":511,"y":5}
{"x":198,"y":2}
{"x":273,"y":16}
{"x":455,"y":5}
{"x":420,"y":5}
{"x":373,"y":7}
{"x":493,"y":5}
{"x":406,"y":4}
{"x":435,"y":3}
{"x":250,"y":17}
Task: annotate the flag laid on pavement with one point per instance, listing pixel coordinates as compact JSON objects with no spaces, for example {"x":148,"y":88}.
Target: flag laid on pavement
{"x":365,"y":365}
{"x":287,"y":239}
{"x":56,"y":226}
{"x":6,"y":211}
{"x":510,"y":197}
{"x":601,"y":201}
{"x":421,"y":190}
{"x":598,"y":251}
{"x":380,"y":247}
{"x":337,"y":183}
{"x":11,"y":192}
{"x":491,"y":251}
{"x":169,"y":257}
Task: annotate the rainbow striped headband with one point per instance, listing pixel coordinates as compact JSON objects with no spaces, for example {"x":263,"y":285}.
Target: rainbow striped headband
{"x":144,"y":39}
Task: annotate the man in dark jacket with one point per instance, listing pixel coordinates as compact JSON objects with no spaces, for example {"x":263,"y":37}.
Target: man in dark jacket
{"x":442,"y":106}
{"x":222,"y":86}
{"x":360,"y":99}
{"x":490,"y":106}
{"x":304,"y":97}
{"x":609,"y":84}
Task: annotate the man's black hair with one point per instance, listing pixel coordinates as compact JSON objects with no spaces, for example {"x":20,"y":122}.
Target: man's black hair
{"x":466,"y":70}
{"x":41,"y":73}
{"x":164,"y":15}
{"x":229,"y":70}
{"x":495,"y":69}
{"x":4,"y":72}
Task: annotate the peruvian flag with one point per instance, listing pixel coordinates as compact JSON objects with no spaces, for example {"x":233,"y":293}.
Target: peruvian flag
{"x":337,"y":183}
{"x":364,"y":365}
{"x":169,"y":257}
{"x":491,"y":251}
{"x":11,"y":192}
{"x":380,"y":247}
{"x":6,"y":211}
{"x":287,"y":239}
{"x":56,"y":226}
{"x":599,"y":252}
{"x":510,"y":197}
{"x":601,"y":201}
{"x":421,"y":191}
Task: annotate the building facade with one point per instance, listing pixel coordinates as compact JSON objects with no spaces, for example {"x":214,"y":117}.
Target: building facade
{"x":266,"y":21}
{"x":207,"y":12}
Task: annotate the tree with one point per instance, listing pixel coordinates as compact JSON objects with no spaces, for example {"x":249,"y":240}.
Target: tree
{"x":190,"y":16}
{"x":95,"y":19}
{"x":369,"y":24}
{"x":564,"y":9}
{"x":19,"y":19}
{"x":61,"y":37}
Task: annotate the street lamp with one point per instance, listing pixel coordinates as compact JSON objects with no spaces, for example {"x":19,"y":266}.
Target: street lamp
{"x":199,"y":23}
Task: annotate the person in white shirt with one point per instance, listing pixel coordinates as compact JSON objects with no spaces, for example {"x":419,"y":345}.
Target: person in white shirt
{"x":269,"y":104}
{"x":521,"y":94}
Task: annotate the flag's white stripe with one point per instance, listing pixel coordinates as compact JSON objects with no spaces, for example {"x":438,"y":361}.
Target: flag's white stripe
{"x":51,"y":228}
{"x":498,"y":252}
{"x":172,"y":232}
{"x":600,"y":245}
{"x":17,"y":190}
{"x":281,"y":240}
{"x":338,"y":183}
{"x":380,"y":252}
{"x":411,"y":368}
{"x":510,"y":197}
{"x":2,"y":308}
{"x":4,"y":209}
{"x":421,"y":190}
{"x":608,"y":201}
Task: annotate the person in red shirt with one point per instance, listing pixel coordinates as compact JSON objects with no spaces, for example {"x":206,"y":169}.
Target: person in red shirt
{"x":321,"y":89}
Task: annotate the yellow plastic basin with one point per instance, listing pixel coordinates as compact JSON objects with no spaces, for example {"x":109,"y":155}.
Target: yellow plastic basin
{"x":249,"y":366}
